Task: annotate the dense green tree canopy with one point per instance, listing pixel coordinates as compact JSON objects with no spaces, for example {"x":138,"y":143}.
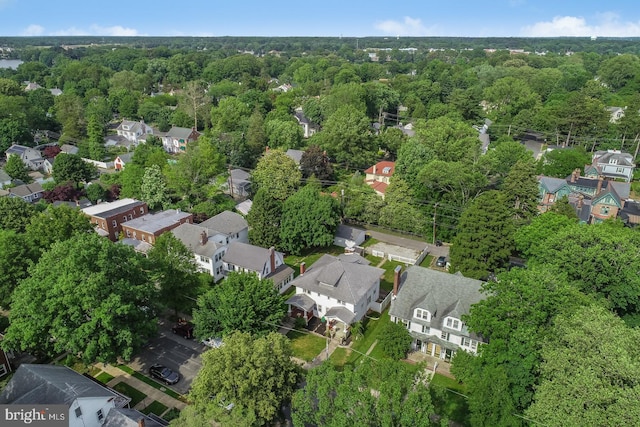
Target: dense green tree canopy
{"x":255,"y":374}
{"x":71,"y":167}
{"x":264,"y":220}
{"x":88,"y":296}
{"x":15,"y":213}
{"x":17,"y":169}
{"x":277,"y":174}
{"x":242,"y":302}
{"x":309,"y":219}
{"x":16,"y":255}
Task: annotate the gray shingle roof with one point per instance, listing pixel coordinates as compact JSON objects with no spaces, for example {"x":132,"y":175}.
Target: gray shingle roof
{"x":152,"y":223}
{"x":247,"y":256}
{"x":226,"y":222}
{"x":345,"y":281}
{"x":179,"y":133}
{"x":190,"y":235}
{"x":296,"y":155}
{"x":622,"y":159}
{"x":302,"y":301}
{"x":347,"y":232}
{"x":26,"y":189}
{"x":125,"y":417}
{"x":442,"y":294}
{"x":49,"y":384}
{"x":342,"y":313}
{"x":552,"y":184}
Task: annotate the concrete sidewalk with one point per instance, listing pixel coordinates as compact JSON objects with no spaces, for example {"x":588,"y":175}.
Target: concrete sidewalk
{"x":151,"y":392}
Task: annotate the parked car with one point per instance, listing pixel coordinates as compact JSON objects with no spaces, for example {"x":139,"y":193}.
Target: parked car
{"x":441,"y":262}
{"x":164,"y":374}
{"x":184,"y":329}
{"x":213,"y":342}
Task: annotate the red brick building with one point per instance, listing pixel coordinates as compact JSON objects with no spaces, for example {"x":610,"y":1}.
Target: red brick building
{"x":149,"y":227}
{"x":109,"y":217}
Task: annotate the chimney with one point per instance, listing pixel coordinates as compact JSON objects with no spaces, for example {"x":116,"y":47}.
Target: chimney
{"x":272,"y":258}
{"x":396,"y":280}
{"x":599,"y":187}
{"x":203,"y":238}
{"x":573,"y":175}
{"x":580,"y":201}
{"x":303,"y":268}
{"x":374,"y":169}
{"x":141,"y":422}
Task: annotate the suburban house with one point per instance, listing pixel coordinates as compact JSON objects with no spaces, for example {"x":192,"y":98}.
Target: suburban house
{"x":308,"y":127}
{"x":340,"y":289}
{"x":5,"y":179}
{"x":430,"y":304}
{"x":108,"y":217}
{"x":122,"y":159}
{"x":630,"y":214}
{"x":295,"y":155}
{"x":593,"y":199}
{"x":265,"y":263}
{"x":132,"y":131}
{"x":611,"y":164}
{"x":349,"y":237}
{"x":30,"y":156}
{"x":30,"y":193}
{"x":238,"y":183}
{"x":616,"y":113}
{"x":125,"y":417}
{"x":147,"y":228}
{"x":379,"y":175}
{"x":118,"y":141}
{"x":89,"y":401}
{"x":209,"y":240}
{"x":69,"y":149}
{"x":176,"y":140}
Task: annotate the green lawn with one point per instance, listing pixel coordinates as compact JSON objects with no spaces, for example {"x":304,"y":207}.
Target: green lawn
{"x":370,"y":242}
{"x":306,"y":346}
{"x":447,"y":401}
{"x":155,"y":407}
{"x":104,"y":377}
{"x":171,"y":414}
{"x":389,"y":266}
{"x":426,"y":262}
{"x":371,"y":330}
{"x":310,"y":256}
{"x":136,"y":395}
{"x":375,"y":260}
{"x":339,"y":357}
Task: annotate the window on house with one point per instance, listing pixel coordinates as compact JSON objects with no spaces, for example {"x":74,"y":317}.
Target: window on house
{"x":128,"y":233}
{"x":141,"y":211}
{"x":3,"y":370}
{"x":474,"y":345}
{"x":604,"y":210}
{"x":453,"y":323}
{"x":78,"y":412}
{"x":422,"y":314}
{"x":426,"y":329}
{"x":319,"y":309}
{"x":144,"y":238}
{"x":466,"y":342}
{"x":130,"y":217}
{"x":444,"y":335}
{"x":406,"y":323}
{"x":100,"y":414}
{"x":124,"y":218}
{"x":114,"y":223}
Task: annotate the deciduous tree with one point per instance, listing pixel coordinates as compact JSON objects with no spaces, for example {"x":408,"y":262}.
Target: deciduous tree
{"x":242,"y":302}
{"x":153,"y":188}
{"x":395,"y":340}
{"x":56,"y":224}
{"x":277,"y":174}
{"x":88,"y":296}
{"x":15,"y":213}
{"x":264,"y":220}
{"x":16,"y":255}
{"x":16,"y":169}
{"x":70,"y":167}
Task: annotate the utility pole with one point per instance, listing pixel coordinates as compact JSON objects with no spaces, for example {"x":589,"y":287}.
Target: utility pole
{"x":230,"y":181}
{"x":435,"y":210}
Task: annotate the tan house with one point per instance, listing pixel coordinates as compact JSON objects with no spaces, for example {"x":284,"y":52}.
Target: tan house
{"x":379,"y":175}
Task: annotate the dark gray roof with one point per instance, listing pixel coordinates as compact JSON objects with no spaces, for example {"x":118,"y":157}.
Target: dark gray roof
{"x":345,"y":281}
{"x":226,"y":222}
{"x":622,"y":159}
{"x":353,"y":258}
{"x":302,"y":301}
{"x":238,"y":175}
{"x":344,"y":314}
{"x":125,"y":417}
{"x":442,"y":294}
{"x":126,"y":157}
{"x":50,"y":384}
{"x":152,"y":223}
{"x":104,"y":210}
{"x":26,"y":189}
{"x":190,"y":235}
{"x":4,"y":177}
{"x":552,"y":184}
{"x":248,"y":256}
{"x":179,"y":133}
{"x":16,"y":149}
{"x":347,"y":232}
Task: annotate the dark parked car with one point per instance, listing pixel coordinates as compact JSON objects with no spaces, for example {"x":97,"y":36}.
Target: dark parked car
{"x":441,"y":262}
{"x":184,"y":329}
{"x":164,"y":374}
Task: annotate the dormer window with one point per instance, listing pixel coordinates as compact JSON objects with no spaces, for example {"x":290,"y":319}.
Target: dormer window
{"x":613,"y":161}
{"x":422,"y":314}
{"x":453,"y":323}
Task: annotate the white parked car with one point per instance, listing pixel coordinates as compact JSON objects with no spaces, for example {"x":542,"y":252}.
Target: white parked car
{"x":213,"y":342}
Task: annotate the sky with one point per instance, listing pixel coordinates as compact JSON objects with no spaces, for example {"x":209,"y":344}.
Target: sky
{"x":347,"y":18}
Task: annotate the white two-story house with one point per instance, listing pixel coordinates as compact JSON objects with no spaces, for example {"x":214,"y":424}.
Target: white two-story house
{"x":611,"y":164}
{"x":177,"y":139}
{"x":430,"y":304}
{"x":209,"y":240}
{"x":134,"y":131}
{"x":89,"y":402}
{"x":265,"y":263}
{"x":341,"y":289}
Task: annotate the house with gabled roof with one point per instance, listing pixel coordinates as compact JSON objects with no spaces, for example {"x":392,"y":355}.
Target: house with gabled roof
{"x":295,"y":155}
{"x":431,"y":304}
{"x":133,"y":130}
{"x":238,"y":183}
{"x":379,"y":176}
{"x":29,"y":156}
{"x":611,"y":164}
{"x":30,"y":193}
{"x":121,"y":161}
{"x":340,"y":289}
{"x":265,"y":263}
{"x":308,"y":127}
{"x":89,"y":401}
{"x":176,"y":140}
{"x":209,"y":240}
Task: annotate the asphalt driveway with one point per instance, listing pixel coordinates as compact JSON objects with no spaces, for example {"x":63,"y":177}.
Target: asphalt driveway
{"x":174,"y":352}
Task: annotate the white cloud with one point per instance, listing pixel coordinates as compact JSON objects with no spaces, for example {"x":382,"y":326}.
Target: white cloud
{"x":608,"y":25}
{"x":408,"y":27}
{"x":97,"y":30}
{"x":33,"y":30}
